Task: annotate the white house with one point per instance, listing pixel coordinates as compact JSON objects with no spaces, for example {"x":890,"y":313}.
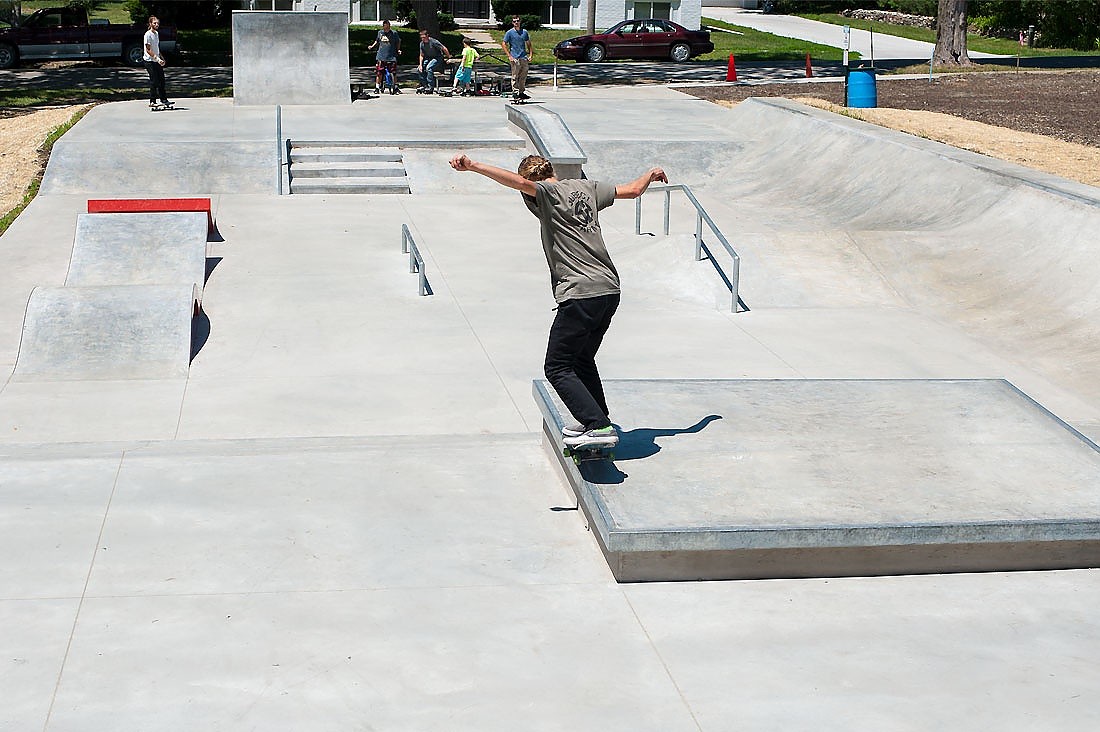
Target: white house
{"x":561,"y":13}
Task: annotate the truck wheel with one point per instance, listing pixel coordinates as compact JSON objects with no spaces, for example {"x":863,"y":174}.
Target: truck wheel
{"x":132,"y":53}
{"x":9,"y":57}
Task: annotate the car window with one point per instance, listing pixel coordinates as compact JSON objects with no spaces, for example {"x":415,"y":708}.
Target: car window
{"x":628,"y":28}
{"x":662,"y":27}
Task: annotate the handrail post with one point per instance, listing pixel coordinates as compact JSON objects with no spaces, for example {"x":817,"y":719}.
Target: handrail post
{"x":736,"y":280}
{"x":698,"y":236}
{"x":668,"y":206}
{"x":279,"y":147}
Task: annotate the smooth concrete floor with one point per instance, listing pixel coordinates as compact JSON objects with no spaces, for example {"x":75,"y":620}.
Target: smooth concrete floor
{"x":343,"y":518}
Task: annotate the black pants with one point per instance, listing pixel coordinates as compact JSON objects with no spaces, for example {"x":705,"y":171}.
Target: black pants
{"x":156,"y":81}
{"x":570,"y":365}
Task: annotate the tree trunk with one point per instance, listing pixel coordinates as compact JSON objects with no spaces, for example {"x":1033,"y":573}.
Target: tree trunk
{"x":427,"y":17}
{"x":951,"y":34}
{"x":591,"y":28}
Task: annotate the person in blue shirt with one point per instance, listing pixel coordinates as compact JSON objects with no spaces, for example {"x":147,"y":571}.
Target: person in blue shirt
{"x":517,"y":44}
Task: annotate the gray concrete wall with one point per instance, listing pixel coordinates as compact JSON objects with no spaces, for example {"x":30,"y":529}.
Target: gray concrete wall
{"x":290,"y":58}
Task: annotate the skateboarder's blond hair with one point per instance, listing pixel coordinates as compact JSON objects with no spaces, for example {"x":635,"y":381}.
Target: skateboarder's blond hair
{"x":535,"y":167}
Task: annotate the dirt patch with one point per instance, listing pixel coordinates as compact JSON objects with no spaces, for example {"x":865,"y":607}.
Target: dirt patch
{"x":21,"y":158}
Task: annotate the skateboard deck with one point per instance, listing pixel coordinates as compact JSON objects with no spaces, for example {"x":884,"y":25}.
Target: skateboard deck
{"x":584,"y":453}
{"x":162,"y":106}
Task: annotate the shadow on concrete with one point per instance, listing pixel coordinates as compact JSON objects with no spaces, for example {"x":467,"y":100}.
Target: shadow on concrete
{"x":200,"y":332}
{"x":636,"y":444}
{"x":211,"y":264}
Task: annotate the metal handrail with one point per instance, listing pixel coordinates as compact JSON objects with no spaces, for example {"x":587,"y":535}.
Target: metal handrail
{"x":732,"y":281}
{"x":416,"y":261}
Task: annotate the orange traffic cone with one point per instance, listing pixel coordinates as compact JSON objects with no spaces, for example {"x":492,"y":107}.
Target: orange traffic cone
{"x":809,"y":68}
{"x":731,"y":70}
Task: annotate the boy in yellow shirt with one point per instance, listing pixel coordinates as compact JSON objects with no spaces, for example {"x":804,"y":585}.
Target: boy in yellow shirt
{"x":465,"y":73}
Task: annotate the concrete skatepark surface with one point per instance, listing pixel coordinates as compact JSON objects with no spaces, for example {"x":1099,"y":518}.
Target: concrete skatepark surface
{"x":342,"y":515}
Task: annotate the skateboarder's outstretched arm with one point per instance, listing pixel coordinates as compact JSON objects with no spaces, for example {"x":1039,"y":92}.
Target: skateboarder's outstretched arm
{"x":637,"y":187}
{"x":500,"y":175}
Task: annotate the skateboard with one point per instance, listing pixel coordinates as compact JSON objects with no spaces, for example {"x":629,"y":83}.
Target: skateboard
{"x":584,"y":453}
{"x":516,"y":99}
{"x":162,"y":106}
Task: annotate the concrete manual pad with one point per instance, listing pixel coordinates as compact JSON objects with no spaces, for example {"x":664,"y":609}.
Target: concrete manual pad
{"x":801,"y":478}
{"x":139,"y":249}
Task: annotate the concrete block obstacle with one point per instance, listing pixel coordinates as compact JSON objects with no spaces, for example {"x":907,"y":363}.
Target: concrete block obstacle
{"x":551,"y":137}
{"x":290,"y":58}
{"x":738,"y":479}
{"x":106,"y":333}
{"x":139,"y":249}
{"x":153,"y":205}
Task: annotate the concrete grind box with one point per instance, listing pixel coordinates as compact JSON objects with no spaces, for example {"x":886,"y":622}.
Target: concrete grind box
{"x":290,"y":58}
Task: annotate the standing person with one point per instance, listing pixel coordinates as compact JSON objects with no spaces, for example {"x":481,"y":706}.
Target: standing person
{"x":517,"y":44}
{"x":389,"y":48}
{"x":432,"y":53}
{"x":465,"y":73}
{"x":154,"y":63}
{"x":584,"y":281}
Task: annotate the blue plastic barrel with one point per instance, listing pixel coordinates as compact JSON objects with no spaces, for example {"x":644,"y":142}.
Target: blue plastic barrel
{"x":861,"y":88}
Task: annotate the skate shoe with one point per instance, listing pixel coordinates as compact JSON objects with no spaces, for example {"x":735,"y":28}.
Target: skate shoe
{"x":603,"y":437}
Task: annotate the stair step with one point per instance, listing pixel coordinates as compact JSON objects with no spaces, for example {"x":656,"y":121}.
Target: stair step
{"x":343,"y":170}
{"x":347,"y":185}
{"x":323,"y":155}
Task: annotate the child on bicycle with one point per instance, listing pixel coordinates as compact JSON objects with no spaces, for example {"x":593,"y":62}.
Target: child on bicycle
{"x":389,"y":47}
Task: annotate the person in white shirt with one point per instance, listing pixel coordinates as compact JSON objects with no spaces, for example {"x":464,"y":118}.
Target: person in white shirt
{"x":154,"y":63}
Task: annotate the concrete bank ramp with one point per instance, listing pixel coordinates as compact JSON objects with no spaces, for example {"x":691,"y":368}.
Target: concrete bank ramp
{"x":117,"y":333}
{"x":139,"y":249}
{"x":1006,"y":252}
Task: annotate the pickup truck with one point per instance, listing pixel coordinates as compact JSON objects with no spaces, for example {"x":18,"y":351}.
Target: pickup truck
{"x":66,"y":33}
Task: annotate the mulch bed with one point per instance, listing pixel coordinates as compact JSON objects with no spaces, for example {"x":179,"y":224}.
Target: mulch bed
{"x":1064,"y":105}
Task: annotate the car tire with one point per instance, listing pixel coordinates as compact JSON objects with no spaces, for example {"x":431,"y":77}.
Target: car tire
{"x":595,"y":53}
{"x":132,"y":54}
{"x":9,"y":56}
{"x":680,"y":52}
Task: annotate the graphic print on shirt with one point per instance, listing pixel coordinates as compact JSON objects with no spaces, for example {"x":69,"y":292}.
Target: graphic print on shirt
{"x":583,"y":210}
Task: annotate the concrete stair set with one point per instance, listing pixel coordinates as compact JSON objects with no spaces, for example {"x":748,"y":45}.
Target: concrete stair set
{"x":345,"y":167}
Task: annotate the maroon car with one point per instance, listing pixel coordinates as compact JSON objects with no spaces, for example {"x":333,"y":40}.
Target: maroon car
{"x":649,"y":38}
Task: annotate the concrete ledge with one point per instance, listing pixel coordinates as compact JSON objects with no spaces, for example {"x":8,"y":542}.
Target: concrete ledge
{"x":551,"y":138}
{"x":153,"y":205}
{"x":98,"y":333}
{"x":749,"y":479}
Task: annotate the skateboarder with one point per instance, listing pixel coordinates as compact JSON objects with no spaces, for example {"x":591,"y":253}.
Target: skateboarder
{"x":432,"y":54}
{"x":584,"y":281}
{"x":517,"y":44}
{"x":154,"y":63}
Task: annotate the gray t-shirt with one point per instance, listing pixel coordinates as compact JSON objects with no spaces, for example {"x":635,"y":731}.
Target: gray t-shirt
{"x":579,"y":264}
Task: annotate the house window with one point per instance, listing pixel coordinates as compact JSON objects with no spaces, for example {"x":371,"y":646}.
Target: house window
{"x":556,"y":12}
{"x":653,"y":10}
{"x":376,"y":10}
